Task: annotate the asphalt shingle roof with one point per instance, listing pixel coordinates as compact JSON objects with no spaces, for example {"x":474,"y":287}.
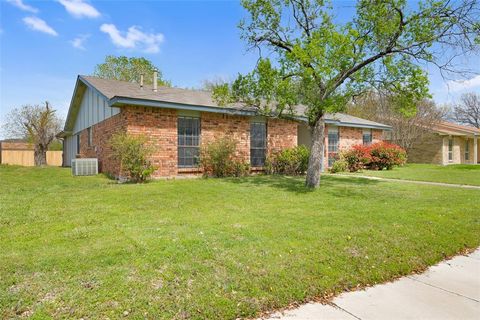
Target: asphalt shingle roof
{"x":122,"y":89}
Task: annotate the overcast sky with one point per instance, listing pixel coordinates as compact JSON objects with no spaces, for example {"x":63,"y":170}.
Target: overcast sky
{"x":44,"y":45}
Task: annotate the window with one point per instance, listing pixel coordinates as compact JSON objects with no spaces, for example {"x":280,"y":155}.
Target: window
{"x":258,"y":144}
{"x":188,"y":141}
{"x":450,"y":149}
{"x":78,"y":143}
{"x":367,"y":136}
{"x":467,"y":150}
{"x":333,"y":139}
{"x":90,"y":136}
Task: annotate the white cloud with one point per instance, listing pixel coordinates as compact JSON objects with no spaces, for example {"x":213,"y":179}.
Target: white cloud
{"x":134,"y":38}
{"x":38,"y":24}
{"x":79,"y":41}
{"x":464,"y":84}
{"x":80,"y":8}
{"x":22,"y":6}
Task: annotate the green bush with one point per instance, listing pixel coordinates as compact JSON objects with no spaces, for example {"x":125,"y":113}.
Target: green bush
{"x":339,"y":166}
{"x":133,"y":153}
{"x":217,"y":159}
{"x":291,"y":161}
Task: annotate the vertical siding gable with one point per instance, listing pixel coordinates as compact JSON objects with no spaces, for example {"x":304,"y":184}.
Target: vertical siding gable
{"x":93,"y":109}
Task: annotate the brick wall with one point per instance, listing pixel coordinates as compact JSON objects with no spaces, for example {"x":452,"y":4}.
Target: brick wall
{"x":429,"y":149}
{"x":215,"y":126}
{"x":100,"y":148}
{"x":15,"y":145}
{"x":281,"y":134}
{"x":160,"y":126}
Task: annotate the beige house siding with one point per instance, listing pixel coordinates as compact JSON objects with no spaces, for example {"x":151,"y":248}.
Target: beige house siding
{"x":428,"y":150}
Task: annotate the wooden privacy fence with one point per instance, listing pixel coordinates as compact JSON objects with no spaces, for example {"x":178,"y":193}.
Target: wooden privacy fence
{"x":25,"y":157}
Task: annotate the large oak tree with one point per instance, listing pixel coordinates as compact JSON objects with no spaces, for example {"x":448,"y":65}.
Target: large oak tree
{"x":320,"y":62}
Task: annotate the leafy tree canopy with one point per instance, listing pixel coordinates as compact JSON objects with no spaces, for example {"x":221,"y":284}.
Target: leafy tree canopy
{"x":322,"y":64}
{"x":129,"y":69}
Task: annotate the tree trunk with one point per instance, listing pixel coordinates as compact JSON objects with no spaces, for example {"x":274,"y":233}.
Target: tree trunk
{"x":315,"y":162}
{"x":40,"y":156}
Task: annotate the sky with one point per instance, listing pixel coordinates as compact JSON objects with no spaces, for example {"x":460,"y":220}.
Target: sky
{"x":44,"y":45}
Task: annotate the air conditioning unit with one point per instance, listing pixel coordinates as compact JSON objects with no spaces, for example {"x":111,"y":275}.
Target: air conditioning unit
{"x":85,"y":167}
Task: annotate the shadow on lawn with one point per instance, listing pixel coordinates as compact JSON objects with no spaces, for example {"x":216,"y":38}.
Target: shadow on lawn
{"x":296,"y":184}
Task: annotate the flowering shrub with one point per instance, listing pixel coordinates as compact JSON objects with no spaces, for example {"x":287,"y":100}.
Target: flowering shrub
{"x":377,"y":156}
{"x":385,"y":156}
{"x":291,"y":161}
{"x":356,"y":157}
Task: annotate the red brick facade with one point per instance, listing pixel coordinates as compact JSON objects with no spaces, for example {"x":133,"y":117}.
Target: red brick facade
{"x":160,"y":126}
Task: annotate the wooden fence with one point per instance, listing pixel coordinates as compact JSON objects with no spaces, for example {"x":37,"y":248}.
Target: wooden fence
{"x":25,"y":157}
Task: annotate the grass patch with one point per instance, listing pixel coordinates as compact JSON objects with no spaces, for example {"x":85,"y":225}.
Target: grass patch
{"x":457,"y":173}
{"x":77,"y":247}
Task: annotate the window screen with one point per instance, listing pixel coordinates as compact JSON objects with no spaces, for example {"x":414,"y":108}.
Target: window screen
{"x":258,"y":144}
{"x":367,"y":136}
{"x":333,"y":138}
{"x":188,"y":141}
{"x":90,"y":136}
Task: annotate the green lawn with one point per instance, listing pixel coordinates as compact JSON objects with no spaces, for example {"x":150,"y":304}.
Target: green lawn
{"x":459,"y":174}
{"x":217,"y":248}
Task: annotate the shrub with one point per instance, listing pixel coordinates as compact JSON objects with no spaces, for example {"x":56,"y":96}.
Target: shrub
{"x":133,"y":154}
{"x":356,"y":157}
{"x":385,"y":156}
{"x":377,"y":156}
{"x":217,"y":159}
{"x":291,"y":161}
{"x":339,"y":166}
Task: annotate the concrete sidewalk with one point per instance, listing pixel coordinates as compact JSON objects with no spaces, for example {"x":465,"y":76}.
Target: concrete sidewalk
{"x":449,"y":290}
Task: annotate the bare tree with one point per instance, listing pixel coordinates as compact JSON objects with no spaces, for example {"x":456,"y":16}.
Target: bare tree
{"x":38,"y":124}
{"x":406,"y":128}
{"x":468,"y":110}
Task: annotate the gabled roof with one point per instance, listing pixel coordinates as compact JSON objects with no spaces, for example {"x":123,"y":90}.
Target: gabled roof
{"x":449,"y":128}
{"x":121,"y":93}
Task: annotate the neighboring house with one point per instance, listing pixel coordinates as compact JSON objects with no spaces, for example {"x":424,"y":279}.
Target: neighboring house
{"x":178,"y":120}
{"x":447,"y":143}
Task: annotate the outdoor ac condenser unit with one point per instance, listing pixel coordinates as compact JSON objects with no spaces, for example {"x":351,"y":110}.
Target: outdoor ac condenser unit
{"x":85,"y":167}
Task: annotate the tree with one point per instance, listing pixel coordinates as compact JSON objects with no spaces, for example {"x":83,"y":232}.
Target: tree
{"x":321,"y":63}
{"x":38,"y":124}
{"x":468,"y":110}
{"x":128,"y":69}
{"x":406,"y":129}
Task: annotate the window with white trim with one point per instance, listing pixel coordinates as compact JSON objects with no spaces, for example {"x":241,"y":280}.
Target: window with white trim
{"x":467,"y":150}
{"x":450,"y":149}
{"x":188,"y":141}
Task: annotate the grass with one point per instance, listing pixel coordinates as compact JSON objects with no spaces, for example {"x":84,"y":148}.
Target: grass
{"x":73,"y":247}
{"x":457,"y":174}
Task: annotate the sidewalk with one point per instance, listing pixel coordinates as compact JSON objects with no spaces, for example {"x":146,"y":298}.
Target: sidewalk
{"x":449,"y":290}
{"x":431,"y":183}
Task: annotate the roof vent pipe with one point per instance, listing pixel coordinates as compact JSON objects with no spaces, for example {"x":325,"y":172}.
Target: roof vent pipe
{"x":141,"y":81}
{"x":155,"y":77}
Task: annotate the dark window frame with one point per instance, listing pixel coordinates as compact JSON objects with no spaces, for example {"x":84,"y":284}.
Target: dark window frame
{"x":367,"y":141}
{"x":258,"y":147}
{"x":78,"y":143}
{"x":188,"y":141}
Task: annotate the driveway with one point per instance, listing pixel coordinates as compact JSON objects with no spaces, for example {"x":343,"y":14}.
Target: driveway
{"x":449,"y":290}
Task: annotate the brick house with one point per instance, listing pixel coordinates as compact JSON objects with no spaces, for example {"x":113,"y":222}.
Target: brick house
{"x":447,"y":143}
{"x":177,"y":121}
